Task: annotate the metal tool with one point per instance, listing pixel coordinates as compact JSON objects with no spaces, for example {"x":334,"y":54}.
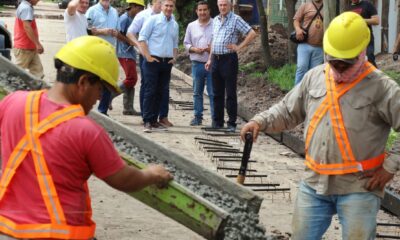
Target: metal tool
{"x":248,"y":144}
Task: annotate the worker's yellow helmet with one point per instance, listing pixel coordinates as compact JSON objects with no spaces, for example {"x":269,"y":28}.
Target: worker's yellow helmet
{"x":347,"y":36}
{"x":92,"y":54}
{"x":138,"y":2}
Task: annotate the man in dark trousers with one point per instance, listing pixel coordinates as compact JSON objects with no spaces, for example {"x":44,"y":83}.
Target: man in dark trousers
{"x":223,"y":61}
{"x":158,"y":41}
{"x":370,"y":15}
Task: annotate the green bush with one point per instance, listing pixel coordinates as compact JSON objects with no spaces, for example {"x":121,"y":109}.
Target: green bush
{"x":283,"y":77}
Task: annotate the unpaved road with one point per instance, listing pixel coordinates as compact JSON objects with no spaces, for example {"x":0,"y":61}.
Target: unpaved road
{"x":119,"y":216}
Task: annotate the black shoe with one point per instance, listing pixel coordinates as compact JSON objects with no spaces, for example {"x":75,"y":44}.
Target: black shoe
{"x":216,"y":126}
{"x":196,"y":121}
{"x":231,"y":128}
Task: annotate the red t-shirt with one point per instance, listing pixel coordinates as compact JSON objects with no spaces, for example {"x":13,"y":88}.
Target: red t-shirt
{"x":73,"y":151}
{"x":24,"y":13}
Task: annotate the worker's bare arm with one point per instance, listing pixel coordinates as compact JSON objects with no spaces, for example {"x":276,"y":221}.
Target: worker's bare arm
{"x":130,"y":179}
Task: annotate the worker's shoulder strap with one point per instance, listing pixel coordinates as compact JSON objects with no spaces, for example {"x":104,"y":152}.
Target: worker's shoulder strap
{"x":30,"y":143}
{"x":331,"y":104}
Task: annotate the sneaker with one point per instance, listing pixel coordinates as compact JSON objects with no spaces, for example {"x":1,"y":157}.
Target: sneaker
{"x":158,"y":127}
{"x":147,"y":127}
{"x":231,"y":128}
{"x":164,"y":122}
{"x":196,"y":121}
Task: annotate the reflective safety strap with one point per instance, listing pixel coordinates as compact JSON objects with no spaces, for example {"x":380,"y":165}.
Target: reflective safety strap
{"x":344,"y":168}
{"x":58,"y":227}
{"x":44,"y":230}
{"x":331,"y":103}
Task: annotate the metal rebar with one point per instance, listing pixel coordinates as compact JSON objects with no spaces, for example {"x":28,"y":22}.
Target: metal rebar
{"x":261,"y":184}
{"x":270,"y":189}
{"x":209,"y":140}
{"x":235,"y":169}
{"x":215,"y":144}
{"x":247,"y":176}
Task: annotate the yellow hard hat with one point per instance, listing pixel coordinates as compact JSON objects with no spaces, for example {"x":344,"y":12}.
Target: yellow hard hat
{"x":347,"y":36}
{"x":92,"y":54}
{"x":138,"y":2}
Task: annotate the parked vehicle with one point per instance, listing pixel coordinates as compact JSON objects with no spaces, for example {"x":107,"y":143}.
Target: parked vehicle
{"x":5,"y":42}
{"x":10,"y":2}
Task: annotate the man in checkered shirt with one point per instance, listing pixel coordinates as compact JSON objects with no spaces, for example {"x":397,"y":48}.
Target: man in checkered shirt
{"x":223,"y":61}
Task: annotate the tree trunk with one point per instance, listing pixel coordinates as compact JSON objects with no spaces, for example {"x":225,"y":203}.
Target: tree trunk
{"x":344,"y":5}
{"x":330,"y":11}
{"x":385,"y":27}
{"x":290,"y":10}
{"x":266,"y":53}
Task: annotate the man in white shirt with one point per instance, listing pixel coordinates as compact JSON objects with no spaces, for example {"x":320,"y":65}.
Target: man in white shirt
{"x":75,"y":20}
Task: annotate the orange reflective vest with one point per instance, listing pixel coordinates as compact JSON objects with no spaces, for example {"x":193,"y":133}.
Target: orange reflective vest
{"x":349,"y":164}
{"x":30,"y":143}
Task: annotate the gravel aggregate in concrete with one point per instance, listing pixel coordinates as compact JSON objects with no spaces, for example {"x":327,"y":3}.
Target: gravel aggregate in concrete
{"x":242,"y":223}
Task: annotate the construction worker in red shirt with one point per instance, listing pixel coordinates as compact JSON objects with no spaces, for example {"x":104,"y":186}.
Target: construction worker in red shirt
{"x":50,"y":148}
{"x":348,"y":108}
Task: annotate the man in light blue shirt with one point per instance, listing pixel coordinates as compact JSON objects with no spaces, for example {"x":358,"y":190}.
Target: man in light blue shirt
{"x":134,"y":30}
{"x":102,"y":21}
{"x":158,"y":41}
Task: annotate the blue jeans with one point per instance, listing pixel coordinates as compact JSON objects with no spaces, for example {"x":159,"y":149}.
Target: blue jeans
{"x":158,"y":76}
{"x":313,"y":214}
{"x":224,"y":72}
{"x":104,"y":101}
{"x":308,"y":57}
{"x":200,"y":76}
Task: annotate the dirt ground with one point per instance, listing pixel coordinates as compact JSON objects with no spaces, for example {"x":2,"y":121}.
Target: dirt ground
{"x":119,"y":216}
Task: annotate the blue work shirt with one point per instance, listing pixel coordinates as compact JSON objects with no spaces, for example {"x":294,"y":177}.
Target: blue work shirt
{"x":160,"y":35}
{"x":125,"y":50}
{"x":227,"y":32}
{"x":100,"y":18}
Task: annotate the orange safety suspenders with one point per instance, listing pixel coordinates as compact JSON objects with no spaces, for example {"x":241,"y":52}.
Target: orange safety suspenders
{"x":331,"y":104}
{"x":30,"y":143}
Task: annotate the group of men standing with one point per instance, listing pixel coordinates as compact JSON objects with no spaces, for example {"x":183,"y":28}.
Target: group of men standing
{"x":211,"y":44}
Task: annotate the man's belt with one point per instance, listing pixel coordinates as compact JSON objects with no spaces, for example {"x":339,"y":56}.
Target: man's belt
{"x":162,"y":59}
{"x":221,"y":56}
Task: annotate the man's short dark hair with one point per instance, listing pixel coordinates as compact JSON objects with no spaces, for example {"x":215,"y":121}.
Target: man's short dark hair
{"x":202,"y":3}
{"x":69,"y":75}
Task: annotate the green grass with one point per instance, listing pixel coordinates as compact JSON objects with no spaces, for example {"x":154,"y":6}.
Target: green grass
{"x":395,"y":75}
{"x":247,"y":68}
{"x":392,"y":138}
{"x":283,"y":77}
